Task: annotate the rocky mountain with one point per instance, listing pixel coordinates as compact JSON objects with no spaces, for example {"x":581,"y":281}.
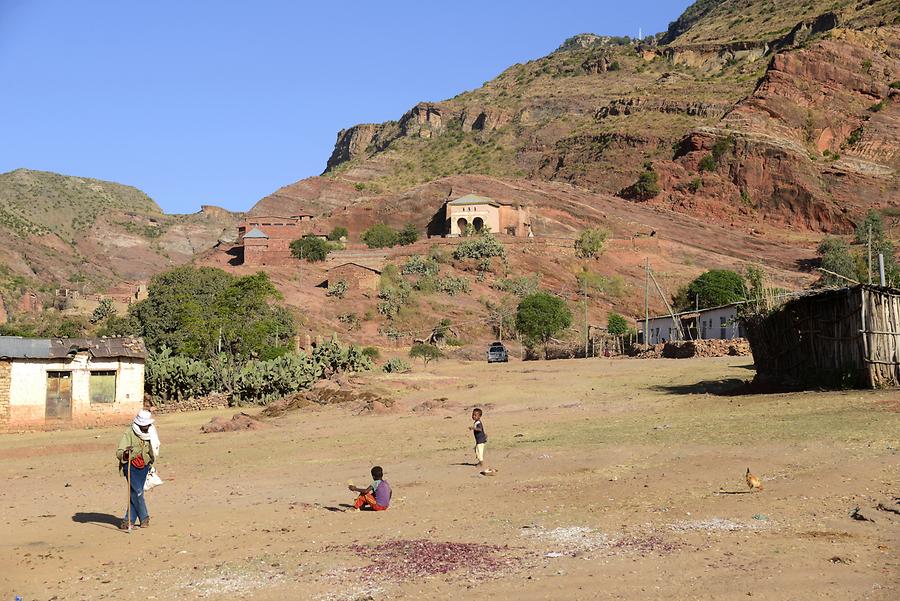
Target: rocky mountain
{"x":794,"y":97}
{"x":89,"y":234}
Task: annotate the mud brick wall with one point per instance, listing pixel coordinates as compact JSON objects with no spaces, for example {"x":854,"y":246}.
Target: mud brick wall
{"x":5,"y":382}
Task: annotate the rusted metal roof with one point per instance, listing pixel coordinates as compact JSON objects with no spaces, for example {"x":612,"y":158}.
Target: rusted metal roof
{"x":16,"y":347}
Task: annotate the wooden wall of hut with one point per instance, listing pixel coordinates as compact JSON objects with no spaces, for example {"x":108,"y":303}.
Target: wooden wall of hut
{"x":881,"y":335}
{"x":849,"y":337}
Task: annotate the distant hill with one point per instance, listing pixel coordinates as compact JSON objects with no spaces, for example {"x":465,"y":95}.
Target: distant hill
{"x":89,"y":234}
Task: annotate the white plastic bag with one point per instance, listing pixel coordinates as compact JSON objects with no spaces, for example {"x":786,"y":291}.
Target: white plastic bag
{"x":153,"y":479}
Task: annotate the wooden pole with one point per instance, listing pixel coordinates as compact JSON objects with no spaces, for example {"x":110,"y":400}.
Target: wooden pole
{"x":843,"y":277}
{"x":675,"y":322}
{"x":647,"y":304}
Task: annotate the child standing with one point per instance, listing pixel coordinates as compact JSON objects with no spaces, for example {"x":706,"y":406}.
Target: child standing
{"x":377,"y":495}
{"x":480,"y":437}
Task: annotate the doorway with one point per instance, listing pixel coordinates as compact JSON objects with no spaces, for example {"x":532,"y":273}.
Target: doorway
{"x":478,"y":223}
{"x":59,"y":395}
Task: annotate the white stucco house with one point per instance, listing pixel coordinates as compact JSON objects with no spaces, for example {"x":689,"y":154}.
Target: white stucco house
{"x":713,"y":323}
{"x":53,"y":382}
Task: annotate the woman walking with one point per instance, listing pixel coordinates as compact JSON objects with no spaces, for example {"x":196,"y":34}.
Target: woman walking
{"x":136,"y":455}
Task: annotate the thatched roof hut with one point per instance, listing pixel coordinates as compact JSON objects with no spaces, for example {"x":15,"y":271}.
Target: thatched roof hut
{"x":846,"y":337}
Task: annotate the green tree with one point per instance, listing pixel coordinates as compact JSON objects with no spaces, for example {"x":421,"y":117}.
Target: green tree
{"x":103,"y":310}
{"x":337,"y":233}
{"x":540,"y":316}
{"x":198,"y":312}
{"x":380,"y":235}
{"x":425,"y":352}
{"x":835,"y":256}
{"x":310,"y":248}
{"x":874,"y":220}
{"x":616,"y":324}
{"x":591,"y":242}
{"x":407,"y":235}
{"x":712,"y":289}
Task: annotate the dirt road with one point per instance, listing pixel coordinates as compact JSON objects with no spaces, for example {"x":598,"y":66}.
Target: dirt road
{"x":617,"y":479}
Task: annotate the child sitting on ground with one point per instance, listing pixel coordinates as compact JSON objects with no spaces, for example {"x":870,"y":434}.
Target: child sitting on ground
{"x":378,"y":494}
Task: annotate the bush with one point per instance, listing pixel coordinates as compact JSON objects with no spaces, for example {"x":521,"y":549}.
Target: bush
{"x":588,"y":281}
{"x":877,"y":107}
{"x":437,"y":254}
{"x":695,"y":185}
{"x":520,"y":286}
{"x":310,"y":248}
{"x":590,"y":242}
{"x":393,"y":298}
{"x":339,"y":232}
{"x":419,"y":265}
{"x":380,"y":236}
{"x":614,"y":66}
{"x":453,"y":285}
{"x":396,"y":366}
{"x":616,"y":324}
{"x":103,"y":310}
{"x":645,"y":188}
{"x":708,"y":163}
{"x":540,"y":316}
{"x":479,"y":247}
{"x":337,"y":289}
{"x":351,"y":320}
{"x":371,"y":352}
{"x":425,"y":352}
{"x":407,"y":235}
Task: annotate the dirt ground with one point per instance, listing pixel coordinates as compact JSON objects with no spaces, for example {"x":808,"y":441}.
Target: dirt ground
{"x":616,"y":479}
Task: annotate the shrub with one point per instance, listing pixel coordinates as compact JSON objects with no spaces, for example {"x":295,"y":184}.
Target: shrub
{"x":310,"y":248}
{"x":419,"y":265}
{"x":614,"y":66}
{"x":349,"y":319}
{"x":379,"y":236}
{"x":393,"y":298}
{"x":338,"y":233}
{"x":877,"y":107}
{"x":437,"y":254}
{"x":613,"y":286}
{"x":520,"y":286}
{"x":103,"y":310}
{"x":453,"y":285}
{"x":708,"y":163}
{"x":645,"y":188}
{"x":371,"y":352}
{"x":695,"y":185}
{"x":854,"y":137}
{"x":616,"y":324}
{"x":895,"y":85}
{"x":396,"y":366}
{"x":482,"y":246}
{"x":590,"y":242}
{"x":337,"y":289}
{"x":425,"y":352}
{"x":407,"y":235}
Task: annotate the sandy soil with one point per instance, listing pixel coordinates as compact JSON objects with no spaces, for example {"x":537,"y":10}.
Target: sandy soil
{"x":617,"y":479}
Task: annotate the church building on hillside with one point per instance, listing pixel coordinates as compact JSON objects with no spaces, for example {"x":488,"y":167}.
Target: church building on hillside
{"x":473,"y":213}
{"x":266,"y":239}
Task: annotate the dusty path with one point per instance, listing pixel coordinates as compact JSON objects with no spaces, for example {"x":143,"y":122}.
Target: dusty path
{"x":610,"y":484}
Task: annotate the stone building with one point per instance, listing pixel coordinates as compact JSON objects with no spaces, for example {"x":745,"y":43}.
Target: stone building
{"x":70,"y":381}
{"x":720,"y":323}
{"x":357,"y":276}
{"x":266,"y":239}
{"x":480,"y":212}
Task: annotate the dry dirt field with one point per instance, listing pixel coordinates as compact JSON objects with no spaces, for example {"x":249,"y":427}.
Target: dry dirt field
{"x":617,"y":479}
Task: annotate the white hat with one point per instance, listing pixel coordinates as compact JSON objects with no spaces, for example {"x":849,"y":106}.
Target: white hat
{"x":143,"y":418}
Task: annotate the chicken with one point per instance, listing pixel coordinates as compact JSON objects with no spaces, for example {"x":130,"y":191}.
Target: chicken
{"x":753,"y":482}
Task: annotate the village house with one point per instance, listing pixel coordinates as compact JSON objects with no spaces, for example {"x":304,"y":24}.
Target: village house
{"x":720,"y":323}
{"x":356,"y":276}
{"x":62,"y":381}
{"x":266,"y":239}
{"x":481,"y":212}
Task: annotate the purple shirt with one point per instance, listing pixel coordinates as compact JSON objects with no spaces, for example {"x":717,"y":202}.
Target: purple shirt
{"x":382,"y":492}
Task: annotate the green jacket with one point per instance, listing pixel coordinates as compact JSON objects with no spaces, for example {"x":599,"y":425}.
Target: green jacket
{"x":131,"y":441}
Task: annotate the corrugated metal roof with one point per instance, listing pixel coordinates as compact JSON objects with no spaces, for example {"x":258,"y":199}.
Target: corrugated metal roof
{"x":255,"y":233}
{"x":16,"y":347}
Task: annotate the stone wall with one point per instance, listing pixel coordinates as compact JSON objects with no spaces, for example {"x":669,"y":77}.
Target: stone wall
{"x":213,"y":401}
{"x":5,"y":380}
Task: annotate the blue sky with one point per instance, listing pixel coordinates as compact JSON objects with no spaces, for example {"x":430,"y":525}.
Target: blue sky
{"x":222,"y":102}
